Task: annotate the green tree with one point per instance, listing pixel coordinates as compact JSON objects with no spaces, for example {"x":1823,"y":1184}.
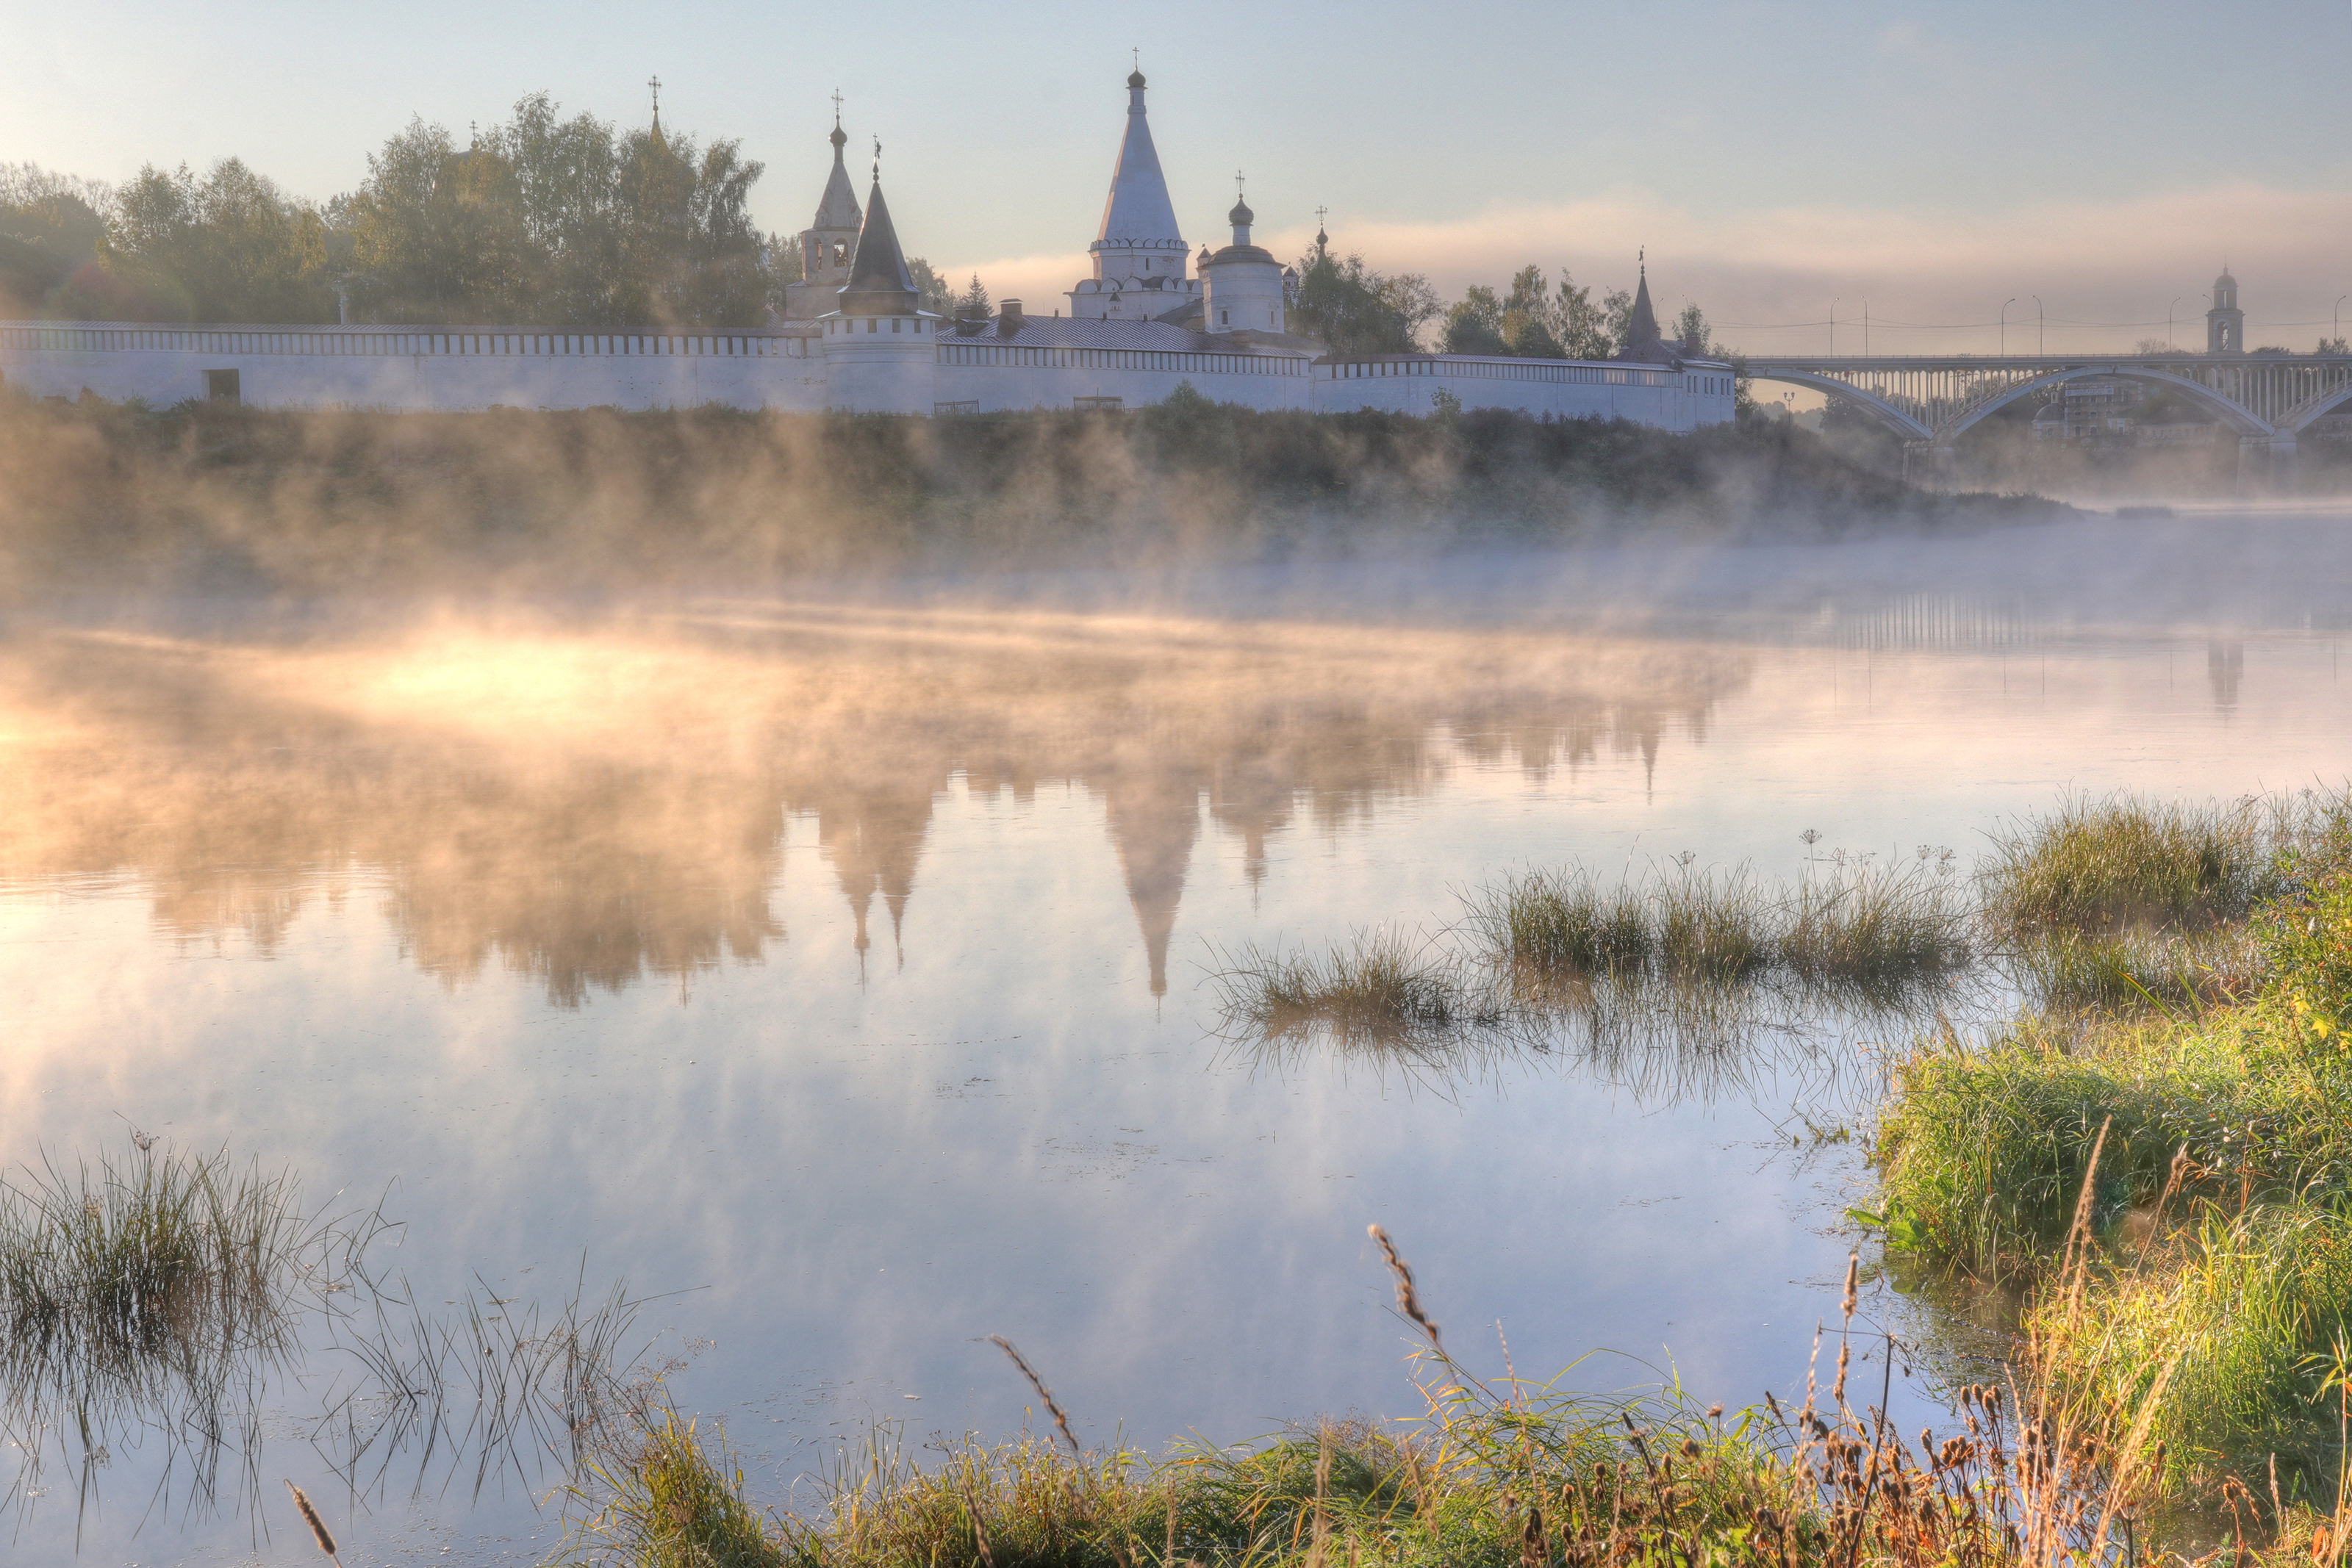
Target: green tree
{"x":938,"y":294}
{"x":1475,"y":325}
{"x":440,"y":235}
{"x":230,"y":246}
{"x":1355,"y":310}
{"x":51,"y":226}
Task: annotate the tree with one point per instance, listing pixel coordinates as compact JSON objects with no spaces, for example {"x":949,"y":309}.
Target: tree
{"x":1355,"y":310}
{"x":230,"y":247}
{"x":51,"y":226}
{"x":441,"y":235}
{"x":973,"y":301}
{"x":1475,"y":325}
{"x":938,"y":294}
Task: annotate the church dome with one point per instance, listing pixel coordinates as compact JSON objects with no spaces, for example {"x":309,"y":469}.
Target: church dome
{"x":1135,"y":78}
{"x":1241,"y":216}
{"x":2225,"y":280}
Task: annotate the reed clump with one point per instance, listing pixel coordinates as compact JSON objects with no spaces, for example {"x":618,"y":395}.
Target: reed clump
{"x":669,"y":1500}
{"x":1380,"y":990}
{"x":2107,"y":862}
{"x":2211,"y":1162}
{"x":1850,"y":930}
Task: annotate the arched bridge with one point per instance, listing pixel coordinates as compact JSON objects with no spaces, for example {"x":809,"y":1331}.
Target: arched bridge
{"x":1932,"y":400}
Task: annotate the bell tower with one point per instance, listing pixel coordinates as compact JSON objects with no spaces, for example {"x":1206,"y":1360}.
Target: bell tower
{"x":2225,"y":324}
{"x":828,"y":245}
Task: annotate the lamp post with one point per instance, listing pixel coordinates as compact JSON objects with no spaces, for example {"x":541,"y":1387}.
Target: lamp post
{"x":2168,"y":320}
{"x":2004,"y":324}
{"x":2038,"y":349}
{"x":1833,"y":329}
{"x":2337,"y":316}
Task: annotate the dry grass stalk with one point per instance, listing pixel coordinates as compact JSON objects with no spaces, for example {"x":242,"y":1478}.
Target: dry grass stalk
{"x":1408,"y":1299}
{"x":319,"y":1532}
{"x":1061,"y":1417}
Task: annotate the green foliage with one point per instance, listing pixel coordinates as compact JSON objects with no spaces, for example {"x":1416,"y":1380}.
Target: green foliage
{"x":569,"y":222}
{"x":1358,"y":311}
{"x":669,"y":1502}
{"x":230,"y":246}
{"x":1475,"y":325}
{"x":2122,"y":861}
{"x":51,"y":226}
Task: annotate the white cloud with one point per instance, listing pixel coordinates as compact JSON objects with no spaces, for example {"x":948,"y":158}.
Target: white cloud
{"x":2107,"y":262}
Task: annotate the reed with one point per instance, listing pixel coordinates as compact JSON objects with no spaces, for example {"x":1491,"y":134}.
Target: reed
{"x":1381,"y":990}
{"x":670,"y":1501}
{"x":2103,"y":864}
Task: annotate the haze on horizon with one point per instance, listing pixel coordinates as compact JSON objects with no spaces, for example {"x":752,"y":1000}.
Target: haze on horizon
{"x":1776,"y":161}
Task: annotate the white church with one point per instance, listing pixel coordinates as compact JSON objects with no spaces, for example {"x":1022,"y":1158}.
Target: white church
{"x":1153,"y":315}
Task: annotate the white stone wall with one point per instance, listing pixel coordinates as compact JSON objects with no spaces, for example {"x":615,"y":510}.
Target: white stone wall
{"x":983,"y":376}
{"x":399,"y":368}
{"x":1700,"y":393}
{"x":914,"y":372}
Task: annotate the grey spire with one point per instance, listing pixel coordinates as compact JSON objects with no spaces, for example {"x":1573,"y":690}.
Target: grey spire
{"x":1642,"y":329}
{"x":1139,"y":212}
{"x":880,"y":283}
{"x":838,"y":210}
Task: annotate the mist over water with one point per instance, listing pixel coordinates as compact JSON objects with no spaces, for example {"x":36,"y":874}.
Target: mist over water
{"x":840,"y":965}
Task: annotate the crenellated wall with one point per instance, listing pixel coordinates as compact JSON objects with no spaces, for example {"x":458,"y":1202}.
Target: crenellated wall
{"x":798,"y":370}
{"x":1700,"y":393}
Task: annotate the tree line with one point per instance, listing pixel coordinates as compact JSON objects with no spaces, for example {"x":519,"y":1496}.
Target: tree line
{"x":1356,"y":311}
{"x":561,"y":222}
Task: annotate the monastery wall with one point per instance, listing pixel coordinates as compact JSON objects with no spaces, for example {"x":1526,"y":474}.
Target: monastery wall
{"x":988,"y":378}
{"x":413,"y":369}
{"x":1700,"y":393}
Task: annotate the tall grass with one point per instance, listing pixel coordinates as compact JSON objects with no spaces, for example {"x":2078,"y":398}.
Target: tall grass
{"x":2105,"y":862}
{"x":1495,"y":1471}
{"x":2209,"y":1147}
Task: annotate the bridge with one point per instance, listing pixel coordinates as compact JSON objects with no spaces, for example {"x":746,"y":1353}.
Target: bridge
{"x":1931,"y":401}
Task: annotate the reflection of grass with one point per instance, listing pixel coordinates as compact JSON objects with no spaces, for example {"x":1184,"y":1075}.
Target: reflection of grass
{"x":2127,"y":970}
{"x":148,"y":1279}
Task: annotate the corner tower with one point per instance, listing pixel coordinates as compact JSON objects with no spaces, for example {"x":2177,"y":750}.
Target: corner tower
{"x":2225,"y":324}
{"x":1139,"y":257}
{"x":828,"y":245}
{"x":880,"y":352}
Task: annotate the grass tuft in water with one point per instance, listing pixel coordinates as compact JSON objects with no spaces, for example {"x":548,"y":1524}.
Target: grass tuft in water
{"x":1380,"y":990}
{"x":668,"y":1502}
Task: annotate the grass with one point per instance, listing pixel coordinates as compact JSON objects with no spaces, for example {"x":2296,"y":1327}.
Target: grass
{"x":1382,"y":991}
{"x":1499,"y":1472}
{"x":2204,"y":1147}
{"x":2108,"y":863}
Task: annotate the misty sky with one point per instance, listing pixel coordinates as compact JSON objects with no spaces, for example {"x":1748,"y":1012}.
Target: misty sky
{"x":1935,"y":160}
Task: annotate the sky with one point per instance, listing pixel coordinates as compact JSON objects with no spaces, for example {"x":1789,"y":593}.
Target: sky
{"x":2076,"y":172}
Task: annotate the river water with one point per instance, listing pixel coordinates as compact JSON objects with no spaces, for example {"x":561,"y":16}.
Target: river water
{"x":836,"y":976}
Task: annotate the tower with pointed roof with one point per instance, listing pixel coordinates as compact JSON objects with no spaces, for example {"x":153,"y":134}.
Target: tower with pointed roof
{"x":879,"y":343}
{"x":1140,"y":255}
{"x":828,"y":243}
{"x":2225,"y":324}
{"x":1642,"y":338}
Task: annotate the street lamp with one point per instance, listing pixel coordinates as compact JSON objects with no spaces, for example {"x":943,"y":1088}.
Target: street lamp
{"x":2037,"y":325}
{"x":1833,"y":329}
{"x":2168,"y":318}
{"x":2337,"y":314}
{"x":2004,"y":324}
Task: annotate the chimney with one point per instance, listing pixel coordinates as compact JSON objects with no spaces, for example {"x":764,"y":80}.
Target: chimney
{"x":1009,"y":323}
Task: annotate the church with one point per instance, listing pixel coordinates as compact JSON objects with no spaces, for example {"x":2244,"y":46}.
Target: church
{"x":1152,"y":316}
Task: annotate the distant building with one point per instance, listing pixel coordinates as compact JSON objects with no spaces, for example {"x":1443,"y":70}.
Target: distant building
{"x":853,"y":335}
{"x":2225,"y":324}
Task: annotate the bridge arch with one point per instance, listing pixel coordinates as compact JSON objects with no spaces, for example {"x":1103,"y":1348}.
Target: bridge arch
{"x":2299,"y":418}
{"x":1904,"y":425}
{"x":2235,"y":415}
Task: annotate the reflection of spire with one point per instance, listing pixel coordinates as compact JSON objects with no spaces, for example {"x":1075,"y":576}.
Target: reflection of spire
{"x":2225,"y":666}
{"x":1153,"y":822}
{"x":872,"y":839}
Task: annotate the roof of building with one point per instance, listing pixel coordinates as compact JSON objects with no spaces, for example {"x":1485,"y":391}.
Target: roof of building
{"x":1137,"y":212}
{"x":1069,"y":332}
{"x":838,"y":210}
{"x":880,"y":283}
{"x":1242,"y":253}
{"x":1642,"y":340}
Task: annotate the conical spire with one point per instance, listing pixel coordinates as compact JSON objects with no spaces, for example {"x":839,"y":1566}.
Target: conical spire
{"x":1642,"y":329}
{"x":880,"y":283}
{"x":1139,"y":212}
{"x":838,"y":210}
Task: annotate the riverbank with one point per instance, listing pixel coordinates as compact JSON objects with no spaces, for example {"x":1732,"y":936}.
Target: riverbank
{"x":211,"y":499}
